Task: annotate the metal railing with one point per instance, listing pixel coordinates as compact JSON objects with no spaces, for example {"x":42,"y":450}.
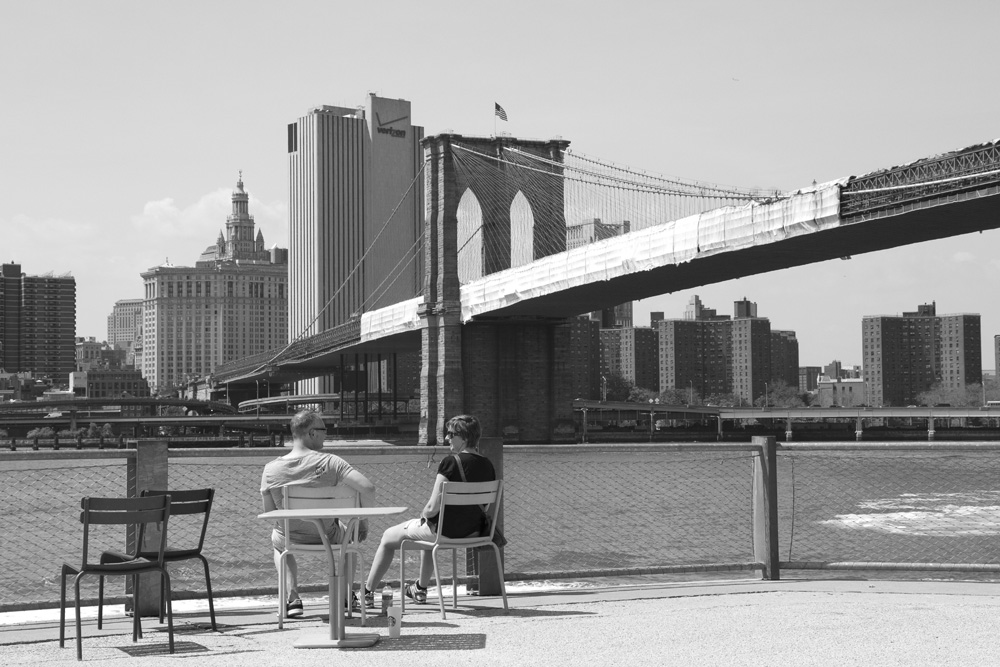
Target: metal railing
{"x":569,"y":511}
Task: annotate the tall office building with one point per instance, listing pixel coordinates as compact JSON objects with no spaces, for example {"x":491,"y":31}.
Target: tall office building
{"x":585,"y":233}
{"x":631,"y":353}
{"x":125,"y":322}
{"x":714,"y":354}
{"x":125,"y":330}
{"x":355,"y":215}
{"x":231,"y":304}
{"x":904,"y":356}
{"x":785,"y":358}
{"x":808,"y":378}
{"x":37,"y":323}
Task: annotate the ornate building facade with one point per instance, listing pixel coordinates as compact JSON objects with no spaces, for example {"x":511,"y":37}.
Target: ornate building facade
{"x":231,"y":304}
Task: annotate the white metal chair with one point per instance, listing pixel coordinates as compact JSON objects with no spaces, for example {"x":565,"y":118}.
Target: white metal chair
{"x":312,"y":497}
{"x":452,"y":494}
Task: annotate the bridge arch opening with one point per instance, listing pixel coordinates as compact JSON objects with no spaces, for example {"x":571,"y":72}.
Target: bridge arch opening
{"x":470,"y":237}
{"x":522,"y":231}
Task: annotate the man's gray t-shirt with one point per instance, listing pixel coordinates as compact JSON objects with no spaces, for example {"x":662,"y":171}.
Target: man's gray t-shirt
{"x":313,"y":469}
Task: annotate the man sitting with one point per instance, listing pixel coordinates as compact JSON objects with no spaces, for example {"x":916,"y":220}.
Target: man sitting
{"x":307,"y":464}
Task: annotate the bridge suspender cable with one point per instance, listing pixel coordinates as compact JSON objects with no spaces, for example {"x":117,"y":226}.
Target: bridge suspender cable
{"x":354,"y":270}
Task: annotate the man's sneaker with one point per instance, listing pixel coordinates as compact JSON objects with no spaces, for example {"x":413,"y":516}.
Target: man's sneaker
{"x":293,"y":609}
{"x":417,"y":594}
{"x":356,"y":603}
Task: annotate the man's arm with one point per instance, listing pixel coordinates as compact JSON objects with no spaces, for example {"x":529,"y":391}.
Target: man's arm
{"x":268,"y":501}
{"x":366,"y":489}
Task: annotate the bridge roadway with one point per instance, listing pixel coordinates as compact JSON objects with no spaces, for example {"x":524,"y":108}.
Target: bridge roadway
{"x":928,"y":414}
{"x":932,"y":198}
{"x":56,"y":404}
{"x":658,"y":410}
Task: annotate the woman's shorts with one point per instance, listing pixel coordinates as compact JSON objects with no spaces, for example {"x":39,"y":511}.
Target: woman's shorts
{"x":418,"y":529}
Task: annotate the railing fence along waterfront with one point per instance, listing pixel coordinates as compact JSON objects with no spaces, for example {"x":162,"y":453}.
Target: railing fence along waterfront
{"x":569,"y":511}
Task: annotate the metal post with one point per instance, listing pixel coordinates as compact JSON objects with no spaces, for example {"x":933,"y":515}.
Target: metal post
{"x":765,"y":506}
{"x":486,"y":565}
{"x":147,"y":470}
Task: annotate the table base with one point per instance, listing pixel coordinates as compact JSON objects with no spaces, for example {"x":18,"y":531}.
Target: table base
{"x":315,"y":640}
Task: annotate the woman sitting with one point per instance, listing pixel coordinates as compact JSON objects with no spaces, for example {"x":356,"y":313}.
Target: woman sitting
{"x":462,"y":435}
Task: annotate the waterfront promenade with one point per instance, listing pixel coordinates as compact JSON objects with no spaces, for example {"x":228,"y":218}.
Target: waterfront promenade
{"x":733,"y":622}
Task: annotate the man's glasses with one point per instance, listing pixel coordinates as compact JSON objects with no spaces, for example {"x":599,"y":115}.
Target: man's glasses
{"x":452,"y":434}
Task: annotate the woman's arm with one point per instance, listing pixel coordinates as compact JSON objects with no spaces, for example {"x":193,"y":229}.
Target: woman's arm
{"x":433,"y":506}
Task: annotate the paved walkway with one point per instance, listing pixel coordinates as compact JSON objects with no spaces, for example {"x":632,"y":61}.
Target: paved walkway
{"x":746,"y":622}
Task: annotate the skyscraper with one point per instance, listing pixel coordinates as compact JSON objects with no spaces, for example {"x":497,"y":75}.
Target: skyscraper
{"x":631,"y":353}
{"x":712,"y":354}
{"x":37,"y":323}
{"x":233,"y":303}
{"x":906,"y":355}
{"x":355,"y":215}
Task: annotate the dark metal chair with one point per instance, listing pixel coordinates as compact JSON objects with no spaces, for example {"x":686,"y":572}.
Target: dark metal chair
{"x":137,"y":512}
{"x":188,"y":502}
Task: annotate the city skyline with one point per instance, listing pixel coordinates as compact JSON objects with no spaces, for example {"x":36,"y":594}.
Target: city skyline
{"x":753,"y":96}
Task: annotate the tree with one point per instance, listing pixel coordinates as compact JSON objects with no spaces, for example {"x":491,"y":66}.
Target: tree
{"x":641,"y":395}
{"x":41,"y":433}
{"x":780,"y":395}
{"x":674,"y":397}
{"x":93,"y":431}
{"x":619,"y":387}
{"x":971,"y":395}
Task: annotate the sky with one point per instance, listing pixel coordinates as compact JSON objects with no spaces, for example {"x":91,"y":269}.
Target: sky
{"x":125,"y":124}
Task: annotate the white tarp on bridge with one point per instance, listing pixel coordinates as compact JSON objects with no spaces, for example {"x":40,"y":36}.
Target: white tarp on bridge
{"x":705,"y":234}
{"x":720,"y":230}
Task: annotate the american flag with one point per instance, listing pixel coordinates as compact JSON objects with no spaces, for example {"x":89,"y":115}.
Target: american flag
{"x":501,"y":114}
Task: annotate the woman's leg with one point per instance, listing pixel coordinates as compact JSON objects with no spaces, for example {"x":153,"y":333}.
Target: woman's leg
{"x":391,"y":539}
{"x":426,"y":569}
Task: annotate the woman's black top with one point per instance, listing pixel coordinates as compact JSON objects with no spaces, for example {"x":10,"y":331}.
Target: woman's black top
{"x":464,"y":520}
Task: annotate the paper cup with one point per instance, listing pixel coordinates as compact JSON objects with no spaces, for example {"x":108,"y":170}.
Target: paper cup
{"x":395,"y":619}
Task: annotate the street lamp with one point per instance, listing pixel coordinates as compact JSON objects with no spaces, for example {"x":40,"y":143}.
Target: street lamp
{"x":765,"y":395}
{"x":690,"y":392}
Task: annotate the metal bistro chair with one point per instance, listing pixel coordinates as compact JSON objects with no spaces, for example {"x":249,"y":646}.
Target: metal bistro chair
{"x":187,"y":502}
{"x":119,"y":511}
{"x":296,"y":496}
{"x":458,"y":493}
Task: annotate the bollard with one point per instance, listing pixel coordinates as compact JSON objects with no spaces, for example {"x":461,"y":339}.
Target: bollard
{"x":55,"y":441}
{"x":485,"y":560}
{"x":147,"y":470}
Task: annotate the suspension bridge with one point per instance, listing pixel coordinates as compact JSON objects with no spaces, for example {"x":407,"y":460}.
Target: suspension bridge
{"x":521,"y":235}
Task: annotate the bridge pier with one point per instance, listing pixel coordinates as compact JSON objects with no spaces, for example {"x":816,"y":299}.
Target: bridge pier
{"x":509,"y":373}
{"x":858,"y":429}
{"x":788,"y":429}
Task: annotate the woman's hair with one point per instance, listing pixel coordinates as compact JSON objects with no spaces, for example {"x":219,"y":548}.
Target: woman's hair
{"x":468,"y":427}
{"x":303,"y":421}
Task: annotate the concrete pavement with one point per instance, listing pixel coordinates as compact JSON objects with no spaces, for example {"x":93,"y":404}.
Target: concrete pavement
{"x":744,"y":622}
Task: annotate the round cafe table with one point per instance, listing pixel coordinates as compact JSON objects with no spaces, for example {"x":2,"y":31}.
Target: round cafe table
{"x":338,"y":637}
